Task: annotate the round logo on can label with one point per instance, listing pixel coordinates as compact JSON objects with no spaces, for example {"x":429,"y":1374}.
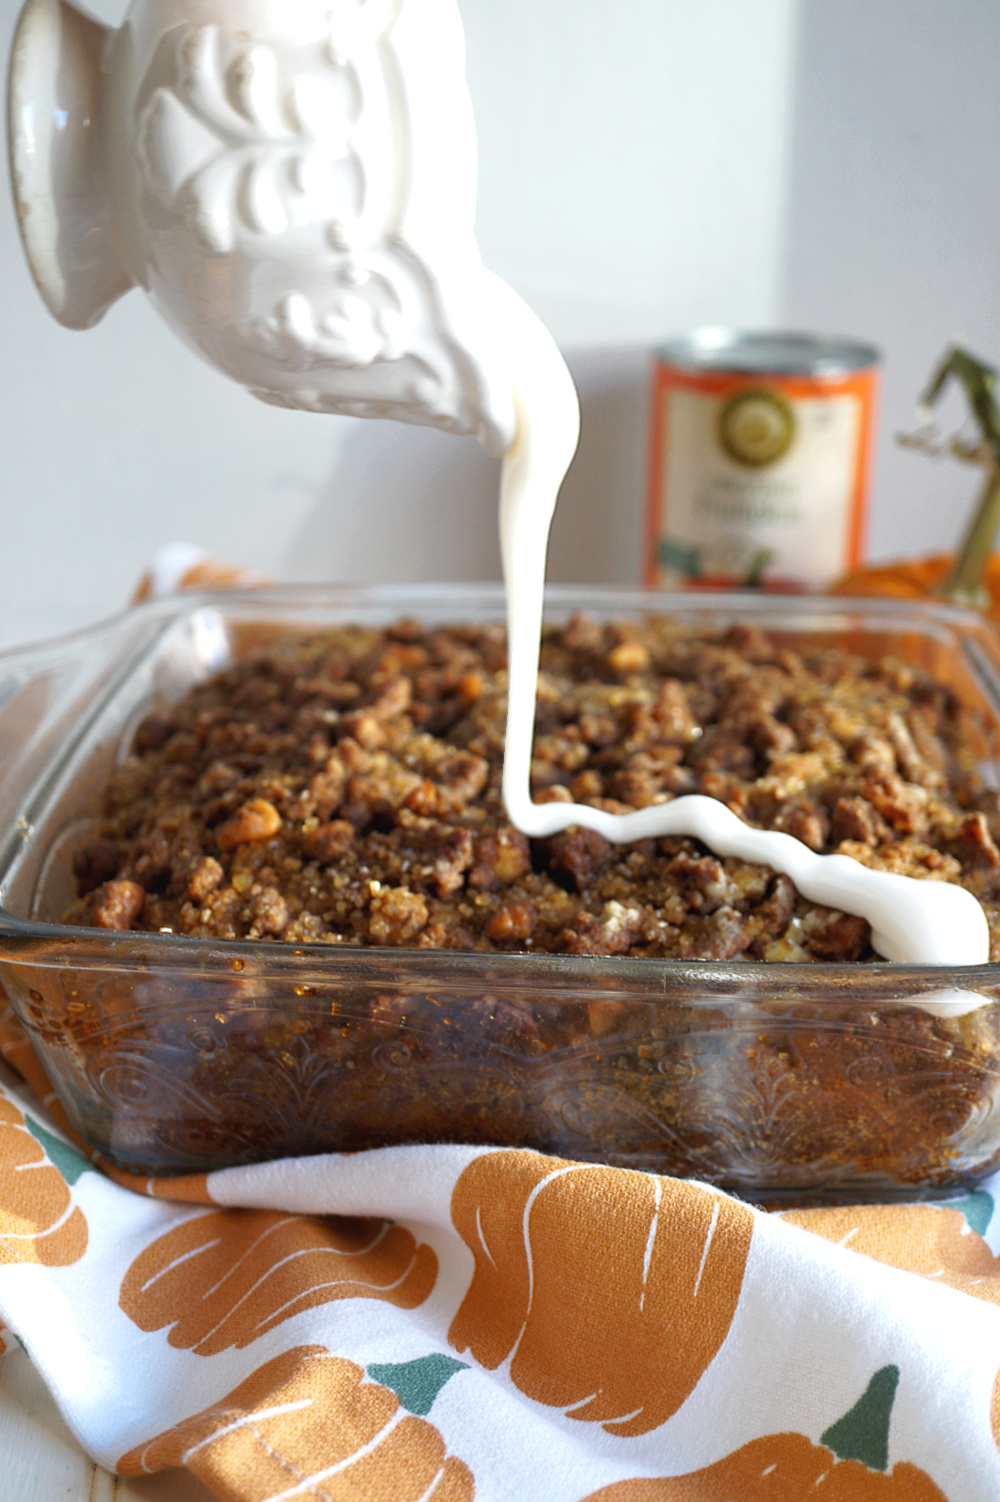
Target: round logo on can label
{"x":756,"y":427}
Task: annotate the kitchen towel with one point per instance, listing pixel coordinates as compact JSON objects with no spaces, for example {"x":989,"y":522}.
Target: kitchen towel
{"x":452,"y":1322}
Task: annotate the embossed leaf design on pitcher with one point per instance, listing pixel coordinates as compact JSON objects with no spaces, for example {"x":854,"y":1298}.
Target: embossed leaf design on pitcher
{"x":250,"y":149}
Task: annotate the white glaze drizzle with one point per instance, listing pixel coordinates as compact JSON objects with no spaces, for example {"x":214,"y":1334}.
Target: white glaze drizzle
{"x":915,"y":922}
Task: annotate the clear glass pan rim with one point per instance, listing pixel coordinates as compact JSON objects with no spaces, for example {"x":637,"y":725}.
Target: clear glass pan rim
{"x":491,"y":593}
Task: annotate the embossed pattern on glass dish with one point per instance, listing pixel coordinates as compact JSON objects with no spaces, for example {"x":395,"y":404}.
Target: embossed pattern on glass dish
{"x":177,"y":1073}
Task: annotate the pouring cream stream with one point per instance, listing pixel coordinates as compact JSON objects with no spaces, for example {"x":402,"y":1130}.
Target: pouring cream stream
{"x":912,"y":921}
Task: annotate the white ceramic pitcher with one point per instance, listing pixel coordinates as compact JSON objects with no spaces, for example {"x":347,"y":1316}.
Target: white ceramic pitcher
{"x":291,"y":181}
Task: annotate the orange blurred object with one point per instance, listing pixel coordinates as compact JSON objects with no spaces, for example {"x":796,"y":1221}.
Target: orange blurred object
{"x":916,"y":579}
{"x":180,"y":567}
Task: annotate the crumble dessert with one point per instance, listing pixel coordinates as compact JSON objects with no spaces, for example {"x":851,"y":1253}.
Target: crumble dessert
{"x":344,"y":788}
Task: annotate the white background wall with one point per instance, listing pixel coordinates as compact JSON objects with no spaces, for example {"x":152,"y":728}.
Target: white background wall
{"x":646,"y":165}
{"x":894,"y":224}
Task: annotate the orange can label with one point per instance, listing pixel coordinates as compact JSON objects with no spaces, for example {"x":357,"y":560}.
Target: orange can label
{"x":757,"y":478}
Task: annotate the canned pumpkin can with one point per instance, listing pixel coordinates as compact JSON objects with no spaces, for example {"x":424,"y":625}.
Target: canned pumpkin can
{"x":760,"y":459}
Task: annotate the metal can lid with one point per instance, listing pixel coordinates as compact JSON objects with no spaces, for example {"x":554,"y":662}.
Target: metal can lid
{"x":768,"y":353}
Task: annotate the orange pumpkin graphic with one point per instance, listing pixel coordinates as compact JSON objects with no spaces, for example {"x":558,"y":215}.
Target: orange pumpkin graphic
{"x":226,"y":1278}
{"x":850,"y":1464}
{"x":308,"y":1422}
{"x":38,"y":1220}
{"x":781,"y":1468}
{"x":614,"y":1290}
{"x":937,"y":1243}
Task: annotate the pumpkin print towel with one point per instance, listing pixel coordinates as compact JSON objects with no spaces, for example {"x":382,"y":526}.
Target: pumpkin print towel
{"x":436,"y":1324}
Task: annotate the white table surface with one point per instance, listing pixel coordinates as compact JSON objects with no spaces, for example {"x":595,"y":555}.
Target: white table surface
{"x":40,"y":1461}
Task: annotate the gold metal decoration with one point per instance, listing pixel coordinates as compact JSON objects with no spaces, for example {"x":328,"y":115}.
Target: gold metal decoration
{"x":964,"y":581}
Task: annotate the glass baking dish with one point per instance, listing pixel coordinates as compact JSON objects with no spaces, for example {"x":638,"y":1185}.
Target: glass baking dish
{"x":175,"y":1054}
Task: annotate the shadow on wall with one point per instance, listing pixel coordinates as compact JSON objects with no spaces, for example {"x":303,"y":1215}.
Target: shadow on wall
{"x":409,"y":503}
